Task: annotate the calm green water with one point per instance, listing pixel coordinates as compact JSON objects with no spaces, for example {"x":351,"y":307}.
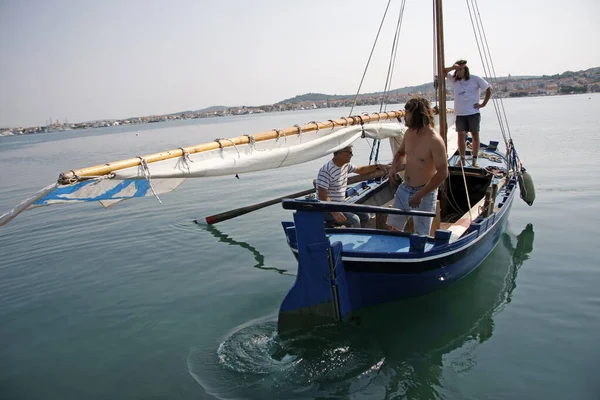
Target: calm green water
{"x":140,"y":302}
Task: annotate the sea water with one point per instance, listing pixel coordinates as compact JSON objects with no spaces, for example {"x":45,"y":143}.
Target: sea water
{"x":140,"y":302}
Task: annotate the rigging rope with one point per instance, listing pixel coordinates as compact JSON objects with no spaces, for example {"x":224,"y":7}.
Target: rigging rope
{"x":390,"y":73}
{"x":374,"y":155}
{"x":462,"y":167}
{"x":369,"y":59}
{"x":393,"y":54}
{"x":489,"y":71}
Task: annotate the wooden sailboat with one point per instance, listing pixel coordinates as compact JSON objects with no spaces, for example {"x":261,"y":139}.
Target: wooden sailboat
{"x":342,"y":270}
{"x":339,"y":270}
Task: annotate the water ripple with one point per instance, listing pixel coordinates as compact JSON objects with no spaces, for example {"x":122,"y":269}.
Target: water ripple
{"x":325,"y":362}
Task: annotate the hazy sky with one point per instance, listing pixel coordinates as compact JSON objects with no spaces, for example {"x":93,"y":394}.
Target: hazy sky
{"x":86,"y":60}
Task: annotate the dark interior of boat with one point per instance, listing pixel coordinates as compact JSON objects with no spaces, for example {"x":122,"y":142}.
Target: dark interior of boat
{"x":453,"y":193}
{"x":452,"y":203}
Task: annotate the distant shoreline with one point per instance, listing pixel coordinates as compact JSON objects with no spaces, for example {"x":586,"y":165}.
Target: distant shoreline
{"x":580,"y":82}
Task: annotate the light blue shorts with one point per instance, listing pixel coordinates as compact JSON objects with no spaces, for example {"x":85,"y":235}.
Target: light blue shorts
{"x":403,"y":195}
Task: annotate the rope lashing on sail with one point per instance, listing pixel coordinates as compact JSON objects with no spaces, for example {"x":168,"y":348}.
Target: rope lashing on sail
{"x":333,"y":123}
{"x":221,"y":147}
{"x":73,"y":179}
{"x":185,"y":157}
{"x":316,"y":124}
{"x":252,"y":143}
{"x":101,"y":177}
{"x":299,"y":132}
{"x":76,"y":178}
{"x":278,"y":131}
{"x":362,"y":126}
{"x":146,"y":171}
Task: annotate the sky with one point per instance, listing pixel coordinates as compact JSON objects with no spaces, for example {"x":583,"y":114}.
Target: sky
{"x":84,"y":60}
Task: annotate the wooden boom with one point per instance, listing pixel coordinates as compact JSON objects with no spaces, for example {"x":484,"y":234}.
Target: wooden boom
{"x":105,"y":169}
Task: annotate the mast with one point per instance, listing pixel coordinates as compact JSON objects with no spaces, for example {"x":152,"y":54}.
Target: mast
{"x":439,"y":29}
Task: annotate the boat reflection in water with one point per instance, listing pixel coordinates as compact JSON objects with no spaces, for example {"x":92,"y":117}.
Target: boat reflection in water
{"x":258,"y":257}
{"x":424,"y":337}
{"x":403,"y":349}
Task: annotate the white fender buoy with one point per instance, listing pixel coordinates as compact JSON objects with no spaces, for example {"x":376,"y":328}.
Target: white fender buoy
{"x":526,"y":186}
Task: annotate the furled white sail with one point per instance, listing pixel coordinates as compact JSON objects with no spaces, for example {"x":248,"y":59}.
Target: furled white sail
{"x":154,"y":178}
{"x":268,"y":154}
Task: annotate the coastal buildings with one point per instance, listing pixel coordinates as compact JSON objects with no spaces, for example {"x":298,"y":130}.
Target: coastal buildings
{"x":569,"y":82}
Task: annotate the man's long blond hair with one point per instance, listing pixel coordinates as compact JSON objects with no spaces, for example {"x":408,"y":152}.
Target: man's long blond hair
{"x":422,"y":114}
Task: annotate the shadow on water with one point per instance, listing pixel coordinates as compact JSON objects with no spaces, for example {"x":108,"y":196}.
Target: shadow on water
{"x":258,"y":257}
{"x":407,"y":349}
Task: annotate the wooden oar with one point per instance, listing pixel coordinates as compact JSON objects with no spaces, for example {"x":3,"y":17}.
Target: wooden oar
{"x":224,"y":216}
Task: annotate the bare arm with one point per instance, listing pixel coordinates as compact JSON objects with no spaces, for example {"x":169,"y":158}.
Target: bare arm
{"x":488,"y":94}
{"x":367,"y":169}
{"x":452,"y":68}
{"x":323,"y":196}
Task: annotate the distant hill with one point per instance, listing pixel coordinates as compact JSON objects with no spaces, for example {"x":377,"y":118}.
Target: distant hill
{"x":423,"y":88}
{"x":412,"y":89}
{"x":312,"y":97}
{"x":213,"y":108}
{"x":204,"y":110}
{"x":322,"y":96}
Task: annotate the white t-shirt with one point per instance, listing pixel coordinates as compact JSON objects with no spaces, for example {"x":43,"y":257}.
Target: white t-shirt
{"x":334,"y":179}
{"x":467,"y":93}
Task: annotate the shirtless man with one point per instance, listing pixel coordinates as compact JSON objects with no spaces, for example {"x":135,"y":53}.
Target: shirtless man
{"x":422,"y":157}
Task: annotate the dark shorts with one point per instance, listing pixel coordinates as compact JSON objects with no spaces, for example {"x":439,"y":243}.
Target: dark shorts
{"x":468,"y":123}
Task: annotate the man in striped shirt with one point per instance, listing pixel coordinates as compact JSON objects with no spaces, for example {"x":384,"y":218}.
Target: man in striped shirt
{"x":331,"y":186}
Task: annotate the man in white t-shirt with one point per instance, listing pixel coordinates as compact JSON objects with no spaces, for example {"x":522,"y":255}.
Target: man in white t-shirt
{"x":467,"y":89}
{"x":332,"y":181}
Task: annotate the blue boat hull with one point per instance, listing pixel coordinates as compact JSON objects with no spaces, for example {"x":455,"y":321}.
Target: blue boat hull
{"x":371,"y":283}
{"x":335,"y":279}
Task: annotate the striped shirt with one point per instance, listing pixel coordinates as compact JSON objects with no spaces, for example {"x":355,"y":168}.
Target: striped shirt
{"x":334,"y":179}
